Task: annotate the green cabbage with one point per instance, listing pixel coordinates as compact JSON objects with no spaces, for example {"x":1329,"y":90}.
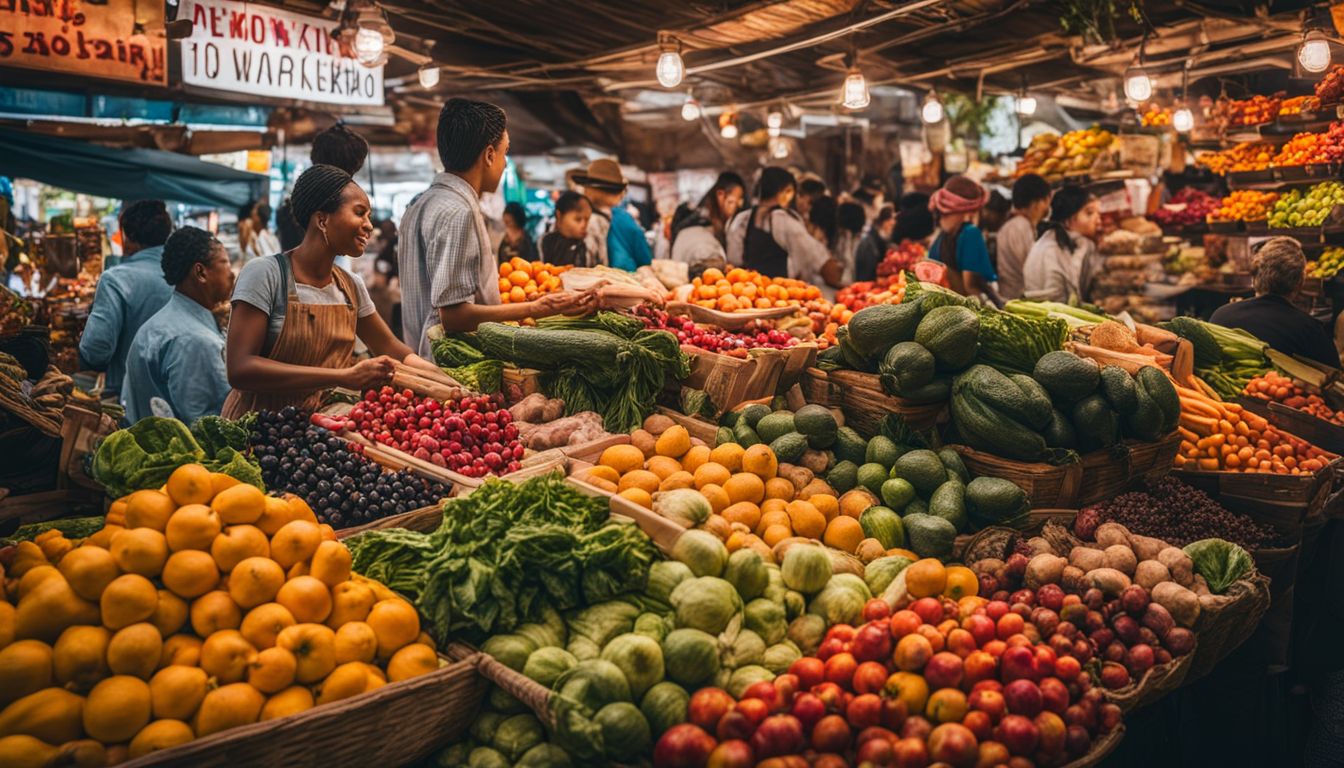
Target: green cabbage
{"x":583,"y":649}
{"x":652,"y":625}
{"x":747,"y":573}
{"x":544,"y":756}
{"x":686,"y":507}
{"x":743,"y":677}
{"x":882,"y":571}
{"x":705,"y":603}
{"x":766,"y":618}
{"x":702,"y":552}
{"x":549,"y":631}
{"x":794,"y":604}
{"x":779,"y":657}
{"x":625,"y":732}
{"x":746,"y":649}
{"x":546,"y":665}
{"x":639,"y":657}
{"x":664,"y":576}
{"x":807,"y":632}
{"x":483,"y":729}
{"x":593,"y":685}
{"x":690,"y":656}
{"x":664,"y":706}
{"x":837,"y":604}
{"x":600,"y":623}
{"x":1220,"y":562}
{"x":504,"y":702}
{"x":850,"y":581}
{"x":510,"y":650}
{"x":806,"y":568}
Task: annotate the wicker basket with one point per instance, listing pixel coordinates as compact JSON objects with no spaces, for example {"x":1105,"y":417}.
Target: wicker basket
{"x":816,"y":386}
{"x":1284,"y":500}
{"x":1097,"y":476}
{"x":864,"y":403}
{"x":1155,"y":683}
{"x":1101,"y":748}
{"x":1226,"y":621}
{"x":397,"y":724}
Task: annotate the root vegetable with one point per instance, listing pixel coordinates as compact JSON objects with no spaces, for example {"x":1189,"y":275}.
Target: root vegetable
{"x":989,"y":565}
{"x":1146,"y":547}
{"x":799,"y":476}
{"x":1044,"y":569}
{"x":1181,"y":603}
{"x":815,"y":461}
{"x":1087,"y":558}
{"x":657,"y":423}
{"x":1039,"y":546}
{"x":553,"y":410}
{"x":1109,"y":534}
{"x":644,"y":440}
{"x":529,"y":409}
{"x":1121,"y":558}
{"x":1110,"y":581}
{"x":1074,"y":579}
{"x":1179,"y":564}
{"x":1150,"y":573}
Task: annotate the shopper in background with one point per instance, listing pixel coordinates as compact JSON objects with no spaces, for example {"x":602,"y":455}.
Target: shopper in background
{"x":449,"y":274}
{"x":255,"y":239}
{"x":1063,"y":261}
{"x":516,"y":243}
{"x":914,"y":220}
{"x":383,"y":286}
{"x":810,"y":190}
{"x":566,"y":244}
{"x":1277,"y":270}
{"x":850,"y":219}
{"x":772,"y":239}
{"x":960,"y":245}
{"x":1031,"y":202}
{"x":699,"y":235}
{"x":296,"y":315}
{"x":872,"y":249}
{"x":177,"y":356}
{"x":821,"y":221}
{"x":127,"y":294}
{"x":339,"y":146}
{"x":624,"y":246}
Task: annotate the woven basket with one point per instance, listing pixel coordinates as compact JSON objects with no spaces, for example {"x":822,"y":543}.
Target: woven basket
{"x":1155,"y":683}
{"x":1097,"y":476}
{"x":1283,"y":499}
{"x":1226,"y":621}
{"x":816,"y":386}
{"x":397,"y":724}
{"x":423,"y":520}
{"x":1101,"y":748}
{"x":864,"y":403}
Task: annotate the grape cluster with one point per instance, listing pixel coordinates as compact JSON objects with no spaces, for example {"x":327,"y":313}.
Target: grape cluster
{"x":1178,"y":514}
{"x":344,"y":488}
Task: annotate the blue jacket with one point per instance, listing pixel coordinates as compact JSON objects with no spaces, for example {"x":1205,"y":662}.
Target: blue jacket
{"x":178,"y":357}
{"x":127,"y":295}
{"x":626,"y":246}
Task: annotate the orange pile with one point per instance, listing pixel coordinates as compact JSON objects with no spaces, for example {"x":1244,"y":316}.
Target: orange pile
{"x":521,"y":280}
{"x":1303,"y":149}
{"x":1153,"y":115}
{"x":747,"y":289}
{"x":1245,"y":205}
{"x":1247,"y":156}
{"x":1253,"y":111}
{"x":1299,"y":104}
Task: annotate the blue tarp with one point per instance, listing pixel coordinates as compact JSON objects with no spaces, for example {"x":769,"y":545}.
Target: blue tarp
{"x":126,"y":174}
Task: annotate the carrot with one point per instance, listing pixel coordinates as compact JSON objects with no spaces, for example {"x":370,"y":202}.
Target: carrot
{"x":1203,"y":424}
{"x":1209,"y":464}
{"x":1198,"y":407}
{"x":1188,"y":435}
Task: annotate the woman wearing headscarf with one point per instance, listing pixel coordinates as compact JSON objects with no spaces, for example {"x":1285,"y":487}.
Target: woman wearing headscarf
{"x":960,"y":245}
{"x":1062,"y":263}
{"x":296,"y":314}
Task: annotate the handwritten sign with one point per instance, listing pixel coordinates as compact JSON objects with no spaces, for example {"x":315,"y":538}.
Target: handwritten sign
{"x":112,"y":39}
{"x":263,"y":51}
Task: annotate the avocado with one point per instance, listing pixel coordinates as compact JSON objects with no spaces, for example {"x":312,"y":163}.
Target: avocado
{"x":952,"y":460}
{"x":897,"y":493}
{"x":789,"y":448}
{"x":850,"y":446}
{"x":843,"y":476}
{"x":923,"y":469}
{"x":774,"y":425}
{"x":872,"y":476}
{"x":949,"y":503}
{"x":882,"y":450}
{"x":994,"y":500}
{"x":744,"y":435}
{"x":929,"y":535}
{"x":817,"y":424}
{"x":753,"y":414}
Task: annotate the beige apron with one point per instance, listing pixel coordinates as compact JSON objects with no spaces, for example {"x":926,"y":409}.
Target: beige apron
{"x":315,"y":335}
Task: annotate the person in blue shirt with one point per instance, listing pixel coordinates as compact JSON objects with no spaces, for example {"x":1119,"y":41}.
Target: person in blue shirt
{"x":128,"y":294}
{"x":626,"y":246}
{"x":960,"y":244}
{"x":175,"y":366}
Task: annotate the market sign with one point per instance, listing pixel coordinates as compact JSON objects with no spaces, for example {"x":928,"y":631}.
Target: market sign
{"x":91,"y":39}
{"x":258,"y":50}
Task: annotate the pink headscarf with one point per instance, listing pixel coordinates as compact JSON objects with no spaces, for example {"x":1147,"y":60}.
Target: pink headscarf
{"x":959,"y":195}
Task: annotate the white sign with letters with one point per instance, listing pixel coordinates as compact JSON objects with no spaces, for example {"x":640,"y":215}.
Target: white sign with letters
{"x":263,"y":51}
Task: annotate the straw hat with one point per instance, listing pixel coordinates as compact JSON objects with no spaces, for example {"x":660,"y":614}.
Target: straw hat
{"x":604,"y":174}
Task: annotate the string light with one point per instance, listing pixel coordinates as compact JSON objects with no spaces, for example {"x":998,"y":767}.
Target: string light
{"x":854,"y":94}
{"x":1138,"y":86}
{"x":773,"y":123}
{"x":368,"y":36}
{"x":1183,"y":120}
{"x":670,"y":69}
{"x":1026,"y":105}
{"x":429,"y":75}
{"x":728,"y":125}
{"x":690,"y":109}
{"x":1313,"y":53}
{"x":932,"y":111}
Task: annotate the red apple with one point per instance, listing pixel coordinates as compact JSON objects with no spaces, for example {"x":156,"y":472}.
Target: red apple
{"x":1114,"y":676}
{"x":1067,"y":668}
{"x":830,"y":760}
{"x":1045,"y":661}
{"x":1052,"y":732}
{"x":1077,"y":741}
{"x":810,"y":671}
{"x":981,"y":627}
{"x":930,"y":609}
{"x":683,"y":746}
{"x":987,"y":685}
{"x":786,"y":686}
{"x":961,"y":642}
{"x":910,"y":752}
{"x":840,"y":669}
{"x":778,"y":735}
{"x":980,"y":723}
{"x":996,"y":609}
{"x":735,"y":725}
{"x":894,"y":712}
{"x":870,"y":677}
{"x":831,"y":647}
{"x":994,"y":647}
{"x":765,"y":691}
{"x":707,"y":705}
{"x":1082,"y":715}
{"x":916,"y":726}
{"x":1108,"y":717}
{"x":1023,"y":698}
{"x":944,"y":670}
{"x":842,"y":632}
{"x":1139,"y":659}
{"x":979,"y":665}
{"x":735,"y":753}
{"x":875,"y":732}
{"x":809,"y":709}
{"x":831,"y":734}
{"x":876,"y":609}
{"x":1019,"y":734}
{"x":755,"y":710}
{"x":1017,"y":663}
{"x":876,"y":752}
{"x":832,"y":695}
{"x":1008,"y":625}
{"x":954,"y":744}
{"x":1051,"y":596}
{"x":1054,"y":695}
{"x":864,"y":711}
{"x":904,"y":622}
{"x":872,"y":642}
{"x":992,"y":754}
{"x":989,"y":702}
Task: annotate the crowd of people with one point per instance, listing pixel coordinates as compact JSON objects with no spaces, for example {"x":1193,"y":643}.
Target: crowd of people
{"x":299,"y":312}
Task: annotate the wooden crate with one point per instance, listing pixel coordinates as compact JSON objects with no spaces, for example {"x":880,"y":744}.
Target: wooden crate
{"x":732,"y":380}
{"x":1313,"y":429}
{"x":663,"y":532}
{"x":1281,"y":500}
{"x":520,"y":382}
{"x":423,"y":520}
{"x":817,"y":389}
{"x":1095,"y":477}
{"x":864,"y":404}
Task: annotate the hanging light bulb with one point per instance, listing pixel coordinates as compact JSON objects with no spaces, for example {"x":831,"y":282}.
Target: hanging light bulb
{"x":369,"y":36}
{"x":1138,"y":86}
{"x":773,"y":123}
{"x":1183,"y":119}
{"x":429,"y":75}
{"x":932,"y":111}
{"x":690,"y":109}
{"x":368,"y":46}
{"x":728,"y":124}
{"x":854,"y":93}
{"x":779,"y":148}
{"x":1026,"y":105}
{"x":1313,"y":53}
{"x":670,"y":68}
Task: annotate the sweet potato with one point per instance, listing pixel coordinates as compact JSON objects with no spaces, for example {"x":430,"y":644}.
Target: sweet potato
{"x":529,"y":409}
{"x":1181,"y":603}
{"x":799,"y":476}
{"x":1044,"y":569}
{"x":1110,"y":581}
{"x":815,"y":461}
{"x":1087,"y":558}
{"x":553,"y":410}
{"x":1121,"y":558}
{"x":644,"y":440}
{"x":1150,"y":573}
{"x":1109,"y":534}
{"x":1179,"y":564}
{"x":1146,"y":547}
{"x":657,"y":423}
{"x":816,"y":487}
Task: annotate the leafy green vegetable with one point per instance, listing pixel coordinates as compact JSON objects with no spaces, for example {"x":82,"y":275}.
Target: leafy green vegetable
{"x":144,"y":454}
{"x":696,"y":402}
{"x":1013,"y":343}
{"x":1225,"y":358}
{"x":484,"y":376}
{"x":1220,"y":562}
{"x":507,"y":552}
{"x":456,"y":350}
{"x":71,"y":527}
{"x":215,"y":433}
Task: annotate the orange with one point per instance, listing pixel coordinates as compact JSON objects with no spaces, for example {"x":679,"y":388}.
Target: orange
{"x":925,"y":578}
{"x":414,"y":659}
{"x":219,"y":481}
{"x":176,"y":691}
{"x":190,"y":573}
{"x":773,"y":517}
{"x":622,"y":458}
{"x":314,"y":646}
{"x":256,"y":580}
{"x":116,"y":512}
{"x":759,"y":460}
{"x":775,"y":534}
{"x":677,"y":480}
{"x":716,"y":496}
{"x":236,"y":543}
{"x":240,"y":504}
{"x":193,"y":526}
{"x":906,"y":553}
{"x":663,"y":466}
{"x":395,"y":622}
{"x":744,"y":486}
{"x":275,"y":514}
{"x":272,"y":670}
{"x":961,"y":582}
{"x":946,"y":705}
{"x":729,"y":455}
{"x":170,"y":614}
{"x":226,"y":655}
{"x":697,"y":455}
{"x":771,"y":505}
{"x":743,"y":512}
{"x":299,"y":509}
{"x":778,"y":488}
{"x":674,"y":442}
{"x":854,"y":502}
{"x":307,"y":599}
{"x":350,"y":601}
{"x":826,"y":504}
{"x":331,"y":563}
{"x":290,"y":701}
{"x":807,"y":521}
{"x":711,"y":473}
{"x":711,"y":276}
{"x":190,"y":484}
{"x":149,"y":509}
{"x":601,"y":472}
{"x":639,"y":496}
{"x":349,"y":679}
{"x":356,"y":641}
{"x":135,"y":650}
{"x":639,"y":478}
{"x":264,"y":623}
{"x":214,"y":611}
{"x":844,"y":533}
{"x":129,"y":599}
{"x":295,"y":542}
{"x":181,"y":650}
{"x":139,"y":550}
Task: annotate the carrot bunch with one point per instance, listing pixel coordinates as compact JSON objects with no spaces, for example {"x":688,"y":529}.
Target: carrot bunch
{"x":1224,"y":437}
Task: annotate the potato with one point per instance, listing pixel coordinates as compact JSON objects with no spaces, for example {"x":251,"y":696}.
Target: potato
{"x":1039,"y":546}
{"x":1181,"y":603}
{"x":1074,"y":579}
{"x":1201,"y":587}
{"x":988,"y":565}
{"x":1146,"y":547}
{"x":1087,"y":558}
{"x":1044,"y":569}
{"x":644,"y":441}
{"x":815,"y":461}
{"x":1110,"y":581}
{"x":657,"y":424}
{"x":1109,"y":534}
{"x":1179,"y":564}
{"x":1121,"y":558}
{"x":1150,"y":573}
{"x":799,"y":476}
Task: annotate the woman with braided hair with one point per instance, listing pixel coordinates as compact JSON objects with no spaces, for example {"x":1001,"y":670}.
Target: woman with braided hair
{"x":296,"y":314}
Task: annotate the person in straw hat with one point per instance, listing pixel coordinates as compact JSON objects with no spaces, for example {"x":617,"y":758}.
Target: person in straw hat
{"x":613,"y":234}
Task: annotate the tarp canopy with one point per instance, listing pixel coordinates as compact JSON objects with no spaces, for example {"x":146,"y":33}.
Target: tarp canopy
{"x":126,"y":174}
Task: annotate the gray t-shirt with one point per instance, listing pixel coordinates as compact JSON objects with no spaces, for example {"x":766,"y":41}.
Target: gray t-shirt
{"x":260,"y":284}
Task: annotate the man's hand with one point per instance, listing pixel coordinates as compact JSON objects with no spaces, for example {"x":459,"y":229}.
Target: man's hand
{"x":565,"y":303}
{"x":370,"y":374}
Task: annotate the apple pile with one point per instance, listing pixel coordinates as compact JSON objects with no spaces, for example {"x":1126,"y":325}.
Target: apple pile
{"x":961,"y":683}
